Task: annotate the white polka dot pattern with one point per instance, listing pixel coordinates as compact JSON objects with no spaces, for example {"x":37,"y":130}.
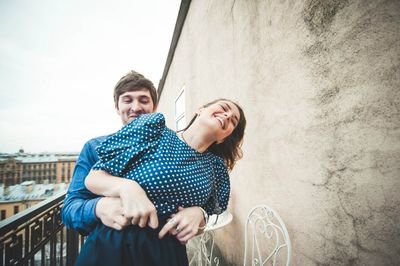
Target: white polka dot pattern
{"x":171,"y":172}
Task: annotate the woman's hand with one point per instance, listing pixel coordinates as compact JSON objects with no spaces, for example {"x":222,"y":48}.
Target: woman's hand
{"x":136,"y":205}
{"x":184,"y":224}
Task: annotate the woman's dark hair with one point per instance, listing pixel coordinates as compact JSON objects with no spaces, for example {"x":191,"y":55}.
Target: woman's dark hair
{"x":230,"y":149}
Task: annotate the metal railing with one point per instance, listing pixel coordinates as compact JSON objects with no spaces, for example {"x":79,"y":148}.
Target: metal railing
{"x":37,"y":236}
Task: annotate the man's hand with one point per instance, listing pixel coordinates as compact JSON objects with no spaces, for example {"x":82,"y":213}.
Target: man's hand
{"x":136,"y":206}
{"x":109,"y":211}
{"x":184,"y":224}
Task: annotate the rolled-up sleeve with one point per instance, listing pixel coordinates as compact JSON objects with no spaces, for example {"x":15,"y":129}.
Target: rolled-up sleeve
{"x":219,"y":199}
{"x":118,"y":152}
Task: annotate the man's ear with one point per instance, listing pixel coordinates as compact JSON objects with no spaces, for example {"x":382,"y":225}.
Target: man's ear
{"x":117,"y":109}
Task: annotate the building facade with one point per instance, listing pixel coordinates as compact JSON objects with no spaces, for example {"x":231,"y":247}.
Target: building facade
{"x":27,"y":179}
{"x":10,"y":171}
{"x":41,"y":168}
{"x":319,"y":83}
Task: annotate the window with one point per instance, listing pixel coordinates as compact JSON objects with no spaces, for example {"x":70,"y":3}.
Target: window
{"x":3,"y":215}
{"x":180,"y":121}
{"x":16,"y":209}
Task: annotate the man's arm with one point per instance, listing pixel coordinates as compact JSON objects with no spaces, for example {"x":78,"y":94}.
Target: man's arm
{"x":82,"y":209}
{"x":136,"y":206}
{"x":79,"y":210}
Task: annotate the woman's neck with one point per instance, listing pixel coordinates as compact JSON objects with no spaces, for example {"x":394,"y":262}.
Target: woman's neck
{"x":197,"y":139}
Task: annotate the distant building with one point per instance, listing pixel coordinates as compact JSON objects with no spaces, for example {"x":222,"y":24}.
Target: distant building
{"x":42,"y":168}
{"x":16,"y":198}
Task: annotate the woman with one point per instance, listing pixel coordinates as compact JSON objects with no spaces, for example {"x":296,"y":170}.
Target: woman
{"x":177,"y":171}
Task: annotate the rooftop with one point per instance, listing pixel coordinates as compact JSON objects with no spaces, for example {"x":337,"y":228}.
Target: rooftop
{"x":38,"y":157}
{"x":28,"y":190}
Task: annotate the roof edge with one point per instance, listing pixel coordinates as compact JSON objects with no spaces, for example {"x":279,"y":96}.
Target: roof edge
{"x":183,"y":10}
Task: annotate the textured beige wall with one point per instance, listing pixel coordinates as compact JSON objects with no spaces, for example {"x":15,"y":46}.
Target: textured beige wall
{"x":320,"y":85}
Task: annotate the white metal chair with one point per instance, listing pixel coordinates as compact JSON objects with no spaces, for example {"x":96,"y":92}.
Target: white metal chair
{"x":203,"y":250}
{"x":204,"y":253}
{"x":268,"y":237}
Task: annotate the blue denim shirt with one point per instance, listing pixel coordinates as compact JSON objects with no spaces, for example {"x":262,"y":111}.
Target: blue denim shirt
{"x":78,"y":211}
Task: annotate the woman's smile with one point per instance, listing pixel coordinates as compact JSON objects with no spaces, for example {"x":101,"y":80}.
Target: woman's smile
{"x":221,"y":121}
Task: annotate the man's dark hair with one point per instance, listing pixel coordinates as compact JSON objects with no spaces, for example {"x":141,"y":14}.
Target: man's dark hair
{"x":133,"y":81}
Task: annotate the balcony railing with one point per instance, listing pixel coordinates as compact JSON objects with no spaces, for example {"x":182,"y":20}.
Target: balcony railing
{"x":37,"y":236}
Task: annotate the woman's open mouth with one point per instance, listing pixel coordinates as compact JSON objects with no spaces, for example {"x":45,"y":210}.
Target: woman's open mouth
{"x":221,"y":121}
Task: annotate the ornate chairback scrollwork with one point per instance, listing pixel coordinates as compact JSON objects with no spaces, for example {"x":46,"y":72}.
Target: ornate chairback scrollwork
{"x":267,"y":240}
{"x":206,"y":249}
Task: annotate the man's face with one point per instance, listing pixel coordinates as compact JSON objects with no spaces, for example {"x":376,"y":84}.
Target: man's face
{"x":131,"y":104}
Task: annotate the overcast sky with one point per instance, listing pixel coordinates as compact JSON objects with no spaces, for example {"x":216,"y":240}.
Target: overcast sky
{"x":59,"y":62}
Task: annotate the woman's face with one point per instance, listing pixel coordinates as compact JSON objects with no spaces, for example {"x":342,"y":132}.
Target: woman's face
{"x":221,"y":117}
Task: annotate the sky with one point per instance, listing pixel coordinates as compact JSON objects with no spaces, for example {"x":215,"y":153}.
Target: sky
{"x":60,"y":60}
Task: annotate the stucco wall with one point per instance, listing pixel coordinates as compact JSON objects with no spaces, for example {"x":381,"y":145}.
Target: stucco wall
{"x":320,"y":85}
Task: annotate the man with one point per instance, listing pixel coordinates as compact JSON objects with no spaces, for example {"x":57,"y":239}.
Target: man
{"x":134,"y":95}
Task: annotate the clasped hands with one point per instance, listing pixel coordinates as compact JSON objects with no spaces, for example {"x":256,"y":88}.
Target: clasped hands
{"x":134,"y":207}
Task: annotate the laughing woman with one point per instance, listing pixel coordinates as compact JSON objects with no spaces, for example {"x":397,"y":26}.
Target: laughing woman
{"x":180,"y":172}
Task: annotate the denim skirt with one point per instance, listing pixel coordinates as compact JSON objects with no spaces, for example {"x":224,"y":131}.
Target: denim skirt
{"x":132,"y":246}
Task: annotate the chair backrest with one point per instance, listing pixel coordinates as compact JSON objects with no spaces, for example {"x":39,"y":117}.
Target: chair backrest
{"x":266,"y":238}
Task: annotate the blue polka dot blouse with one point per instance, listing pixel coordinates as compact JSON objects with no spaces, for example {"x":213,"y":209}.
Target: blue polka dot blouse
{"x":171,"y":172}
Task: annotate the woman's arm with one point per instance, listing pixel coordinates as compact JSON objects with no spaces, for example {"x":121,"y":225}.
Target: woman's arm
{"x":102,"y":183}
{"x":135,"y":203}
